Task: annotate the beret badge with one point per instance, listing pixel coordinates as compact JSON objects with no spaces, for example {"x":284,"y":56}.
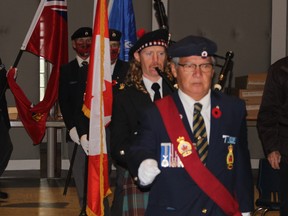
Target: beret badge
{"x":204,"y":54}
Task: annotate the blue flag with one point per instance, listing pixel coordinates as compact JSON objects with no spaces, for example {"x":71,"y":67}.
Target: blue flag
{"x":121,"y":18}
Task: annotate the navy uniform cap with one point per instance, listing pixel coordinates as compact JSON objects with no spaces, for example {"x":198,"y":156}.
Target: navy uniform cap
{"x":82,"y":32}
{"x":192,"y":45}
{"x":158,"y":37}
{"x":114,"y":35}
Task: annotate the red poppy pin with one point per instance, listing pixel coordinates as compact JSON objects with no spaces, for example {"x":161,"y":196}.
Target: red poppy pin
{"x":216,"y":112}
{"x":114,"y":82}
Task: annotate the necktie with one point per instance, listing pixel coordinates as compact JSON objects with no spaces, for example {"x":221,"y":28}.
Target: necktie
{"x":200,"y":134}
{"x":156,"y":87}
{"x":84,"y":63}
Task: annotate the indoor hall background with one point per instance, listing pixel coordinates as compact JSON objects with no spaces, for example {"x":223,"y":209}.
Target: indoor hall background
{"x":245,"y":27}
{"x":241,"y":26}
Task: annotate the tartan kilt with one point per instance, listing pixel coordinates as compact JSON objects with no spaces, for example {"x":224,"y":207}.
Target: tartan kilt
{"x":135,"y":201}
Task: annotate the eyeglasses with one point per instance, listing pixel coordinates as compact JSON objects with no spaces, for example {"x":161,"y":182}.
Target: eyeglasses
{"x":189,"y":67}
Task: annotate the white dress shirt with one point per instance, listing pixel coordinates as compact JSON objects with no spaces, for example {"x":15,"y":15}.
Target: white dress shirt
{"x":148,"y":84}
{"x":80,"y":60}
{"x":188,"y":104}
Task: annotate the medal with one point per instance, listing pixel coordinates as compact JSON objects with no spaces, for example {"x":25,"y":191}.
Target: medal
{"x":165,"y":162}
{"x":165,"y":152}
{"x":122,"y":86}
{"x":230,"y":157}
{"x":184,"y":147}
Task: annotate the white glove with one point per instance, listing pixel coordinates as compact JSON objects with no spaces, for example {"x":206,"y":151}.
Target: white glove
{"x":147,"y":171}
{"x":74,"y":135}
{"x":84,"y":143}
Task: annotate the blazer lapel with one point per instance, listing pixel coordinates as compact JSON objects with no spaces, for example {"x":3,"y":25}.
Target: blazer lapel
{"x":215,"y":127}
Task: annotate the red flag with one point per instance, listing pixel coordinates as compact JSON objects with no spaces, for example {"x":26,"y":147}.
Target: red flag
{"x":98,"y":107}
{"x":47,"y":37}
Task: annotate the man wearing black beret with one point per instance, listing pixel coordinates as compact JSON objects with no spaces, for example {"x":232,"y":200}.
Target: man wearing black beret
{"x":148,"y":53}
{"x":119,"y":68}
{"x":191,"y":149}
{"x":72,"y":86}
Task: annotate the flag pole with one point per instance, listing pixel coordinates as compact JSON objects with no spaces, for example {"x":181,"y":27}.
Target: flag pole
{"x":68,"y":177}
{"x":84,"y":201}
{"x":18,"y":58}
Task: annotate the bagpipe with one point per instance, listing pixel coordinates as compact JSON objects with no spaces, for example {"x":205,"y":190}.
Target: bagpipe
{"x":162,"y":20}
{"x":226,"y":72}
{"x":226,"y":68}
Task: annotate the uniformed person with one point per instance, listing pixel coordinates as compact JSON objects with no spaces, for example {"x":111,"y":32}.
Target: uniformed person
{"x":148,"y":53}
{"x":119,"y":67}
{"x":191,"y":149}
{"x":72,"y":86}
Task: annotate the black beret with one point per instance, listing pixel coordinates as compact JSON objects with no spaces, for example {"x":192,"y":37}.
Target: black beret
{"x":158,"y":37}
{"x":192,"y":45}
{"x":82,"y":32}
{"x":114,"y":35}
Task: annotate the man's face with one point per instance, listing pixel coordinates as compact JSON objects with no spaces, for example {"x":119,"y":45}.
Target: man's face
{"x":194,"y":82}
{"x":114,"y":51}
{"x":149,"y":58}
{"x":82,"y":46}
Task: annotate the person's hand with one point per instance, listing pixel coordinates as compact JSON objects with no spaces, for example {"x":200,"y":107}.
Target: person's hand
{"x":85,"y":143}
{"x":12,"y":72}
{"x":74,"y":135}
{"x":147,"y":171}
{"x":274,"y":159}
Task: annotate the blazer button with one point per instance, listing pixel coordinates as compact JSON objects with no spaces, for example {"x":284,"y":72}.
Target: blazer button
{"x":204,"y":211}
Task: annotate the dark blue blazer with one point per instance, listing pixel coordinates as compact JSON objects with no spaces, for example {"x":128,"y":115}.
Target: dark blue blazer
{"x":174,"y":192}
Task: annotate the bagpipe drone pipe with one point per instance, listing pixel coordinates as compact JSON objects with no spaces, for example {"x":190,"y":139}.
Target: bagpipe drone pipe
{"x":225,"y":72}
{"x":226,"y":68}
